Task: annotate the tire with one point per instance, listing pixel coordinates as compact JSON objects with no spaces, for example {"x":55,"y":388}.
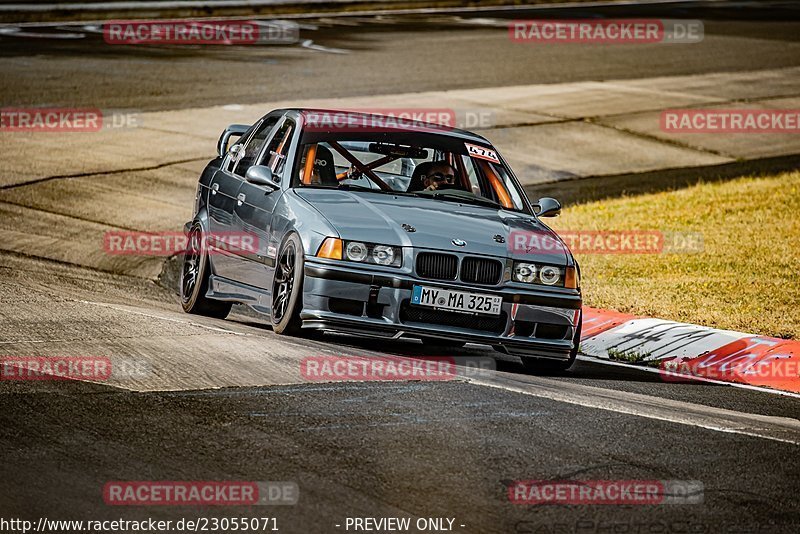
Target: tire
{"x":554,"y":367}
{"x":287,"y":287}
{"x":195,"y":271}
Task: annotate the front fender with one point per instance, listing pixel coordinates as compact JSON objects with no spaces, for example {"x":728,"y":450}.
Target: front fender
{"x":294,"y":213}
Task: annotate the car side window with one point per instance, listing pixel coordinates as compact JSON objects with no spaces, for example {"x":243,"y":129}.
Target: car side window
{"x":254,"y":146}
{"x":275,"y":155}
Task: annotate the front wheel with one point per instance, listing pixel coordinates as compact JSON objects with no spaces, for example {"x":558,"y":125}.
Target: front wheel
{"x":194,"y":279}
{"x":287,"y":287}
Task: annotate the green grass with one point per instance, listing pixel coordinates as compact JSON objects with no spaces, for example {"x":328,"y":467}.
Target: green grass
{"x":623,"y":356}
{"x":747,"y":276}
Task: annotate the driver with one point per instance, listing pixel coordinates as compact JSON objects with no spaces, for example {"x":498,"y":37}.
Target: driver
{"x":435,"y":175}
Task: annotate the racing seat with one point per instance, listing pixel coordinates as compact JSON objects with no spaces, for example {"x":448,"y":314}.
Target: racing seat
{"x":324,"y":172}
{"x":324,"y":167}
{"x":416,"y":184}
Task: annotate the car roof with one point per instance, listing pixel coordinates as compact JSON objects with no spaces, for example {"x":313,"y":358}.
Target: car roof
{"x":423,"y":127}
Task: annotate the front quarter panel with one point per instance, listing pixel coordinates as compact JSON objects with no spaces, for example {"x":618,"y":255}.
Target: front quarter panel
{"x":292,"y":213}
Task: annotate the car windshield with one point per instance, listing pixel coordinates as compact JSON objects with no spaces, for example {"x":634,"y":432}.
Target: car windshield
{"x":437,"y":167}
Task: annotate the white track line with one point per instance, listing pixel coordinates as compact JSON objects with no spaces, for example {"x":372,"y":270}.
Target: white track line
{"x":11,"y":32}
{"x":309,"y":44}
{"x":781,"y":429}
{"x":161,"y":317}
{"x":760,"y":389}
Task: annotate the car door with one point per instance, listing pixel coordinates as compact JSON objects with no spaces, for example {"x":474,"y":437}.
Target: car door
{"x":256,"y":203}
{"x":222,"y":199}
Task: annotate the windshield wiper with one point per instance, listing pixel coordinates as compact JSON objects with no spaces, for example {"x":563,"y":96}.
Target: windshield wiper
{"x":355,"y":186}
{"x":460,"y":197}
{"x":347,"y":187}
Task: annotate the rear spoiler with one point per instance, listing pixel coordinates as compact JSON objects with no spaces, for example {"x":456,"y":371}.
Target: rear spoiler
{"x":233,"y":129}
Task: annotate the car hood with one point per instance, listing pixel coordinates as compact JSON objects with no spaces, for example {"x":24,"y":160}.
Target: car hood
{"x":379,"y":218}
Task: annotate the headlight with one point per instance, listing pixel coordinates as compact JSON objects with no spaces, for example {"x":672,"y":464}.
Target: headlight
{"x":548,"y":275}
{"x":383,"y":255}
{"x":336,"y":249}
{"x":355,"y":251}
{"x":525,"y":272}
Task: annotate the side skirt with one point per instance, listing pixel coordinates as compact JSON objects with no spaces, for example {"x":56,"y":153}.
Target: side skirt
{"x":220,"y":288}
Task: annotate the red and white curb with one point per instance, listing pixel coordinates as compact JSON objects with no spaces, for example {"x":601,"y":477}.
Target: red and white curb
{"x":682,"y":351}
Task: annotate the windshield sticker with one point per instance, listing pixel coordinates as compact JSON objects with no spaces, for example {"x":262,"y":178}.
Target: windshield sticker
{"x":481,"y":152}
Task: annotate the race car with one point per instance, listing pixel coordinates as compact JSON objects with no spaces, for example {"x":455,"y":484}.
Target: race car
{"x":380,"y":226}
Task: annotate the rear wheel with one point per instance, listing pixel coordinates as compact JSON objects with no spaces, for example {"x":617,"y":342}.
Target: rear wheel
{"x":542,"y":366}
{"x":287,"y":287}
{"x":194,"y":279}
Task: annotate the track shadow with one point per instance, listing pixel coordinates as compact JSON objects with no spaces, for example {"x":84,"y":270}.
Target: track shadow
{"x":582,"y":190}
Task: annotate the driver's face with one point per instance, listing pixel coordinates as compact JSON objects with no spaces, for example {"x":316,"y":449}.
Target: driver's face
{"x":443,"y":174}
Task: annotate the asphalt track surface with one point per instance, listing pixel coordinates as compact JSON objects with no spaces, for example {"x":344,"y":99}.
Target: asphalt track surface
{"x":387,"y":55}
{"x":419,"y":449}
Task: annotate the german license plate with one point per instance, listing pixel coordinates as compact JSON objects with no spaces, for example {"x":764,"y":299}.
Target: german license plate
{"x":460,"y":301}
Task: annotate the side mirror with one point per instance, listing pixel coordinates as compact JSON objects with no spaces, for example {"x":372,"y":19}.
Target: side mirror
{"x":547,"y":207}
{"x":260,"y":175}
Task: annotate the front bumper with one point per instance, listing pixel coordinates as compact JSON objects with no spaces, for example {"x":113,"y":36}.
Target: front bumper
{"x":537,"y":323}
